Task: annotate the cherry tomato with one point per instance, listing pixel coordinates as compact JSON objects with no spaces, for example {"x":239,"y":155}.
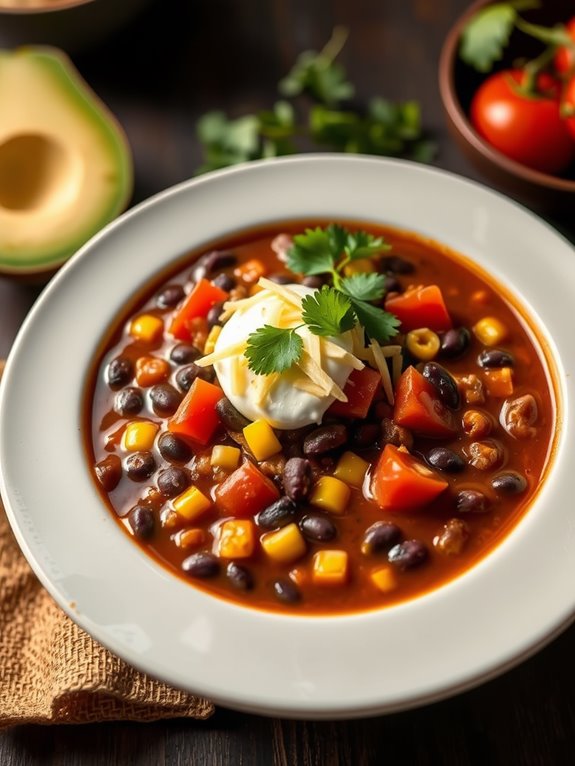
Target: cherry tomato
{"x":528,"y":129}
{"x":569,"y":104}
{"x":564,"y":60}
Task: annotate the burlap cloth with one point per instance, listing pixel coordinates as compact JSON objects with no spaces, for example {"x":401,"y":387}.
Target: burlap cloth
{"x":53,"y":672}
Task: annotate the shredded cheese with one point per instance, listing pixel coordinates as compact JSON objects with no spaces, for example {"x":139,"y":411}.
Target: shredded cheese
{"x":311,"y":368}
{"x":381,"y":365}
{"x":284,"y":292}
{"x":396,"y":365}
{"x":236,"y":349}
{"x":333,"y":351}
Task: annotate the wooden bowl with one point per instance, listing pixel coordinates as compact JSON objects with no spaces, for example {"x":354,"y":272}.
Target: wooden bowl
{"x":457,"y":84}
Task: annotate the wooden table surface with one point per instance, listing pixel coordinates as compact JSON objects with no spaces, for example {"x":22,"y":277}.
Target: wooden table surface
{"x":175,"y":61}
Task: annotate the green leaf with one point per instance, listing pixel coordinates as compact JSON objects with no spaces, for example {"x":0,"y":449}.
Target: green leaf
{"x":380,"y":325}
{"x":364,"y":287}
{"x":327,"y":312}
{"x":228,"y":142}
{"x":486,"y":35}
{"x":312,"y":252}
{"x":273,"y":349}
{"x":360,"y":244}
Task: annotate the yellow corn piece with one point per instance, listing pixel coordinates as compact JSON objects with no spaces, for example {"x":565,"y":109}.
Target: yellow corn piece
{"x":213,"y":335}
{"x":139,"y":435}
{"x":236,"y":539}
{"x":261,"y":439}
{"x":499,"y":383}
{"x":360,"y":266}
{"x":225,"y":457}
{"x":424,"y":344}
{"x":330,"y":567}
{"x":285,"y":545}
{"x":384,"y":579}
{"x":191,"y":504}
{"x":490,"y":331}
{"x":351,"y":469}
{"x":330,"y":494}
{"x":147,"y":328}
{"x":190,"y":538}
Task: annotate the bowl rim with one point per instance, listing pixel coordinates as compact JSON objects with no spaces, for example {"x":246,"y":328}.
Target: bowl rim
{"x":461,"y":122}
{"x":357,"y":694}
{"x":37,"y":10}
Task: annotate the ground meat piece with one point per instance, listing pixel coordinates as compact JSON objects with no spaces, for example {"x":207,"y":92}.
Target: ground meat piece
{"x":519,"y":415}
{"x":471,"y":389}
{"x":477,"y":424}
{"x":485,"y":455}
{"x":452,"y":538}
{"x":399,"y":436}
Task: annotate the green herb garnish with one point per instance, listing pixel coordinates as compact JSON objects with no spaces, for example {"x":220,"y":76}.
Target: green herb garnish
{"x":273,"y":349}
{"x":327,"y":312}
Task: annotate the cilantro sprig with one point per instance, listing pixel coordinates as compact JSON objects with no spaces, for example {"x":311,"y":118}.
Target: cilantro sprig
{"x":332,"y":310}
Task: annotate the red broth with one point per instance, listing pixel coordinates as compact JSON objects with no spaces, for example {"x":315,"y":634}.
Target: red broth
{"x":454,"y":531}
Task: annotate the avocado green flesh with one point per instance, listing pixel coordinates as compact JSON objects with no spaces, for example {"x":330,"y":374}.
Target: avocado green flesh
{"x":65,"y":165}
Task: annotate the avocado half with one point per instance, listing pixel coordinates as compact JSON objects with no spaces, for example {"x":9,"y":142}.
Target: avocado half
{"x":65,"y":164}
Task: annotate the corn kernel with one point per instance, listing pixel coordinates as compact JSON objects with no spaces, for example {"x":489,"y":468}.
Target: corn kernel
{"x":190,"y":538}
{"x":261,"y":439}
{"x":384,"y":579}
{"x":330,"y":494}
{"x":191,"y":504}
{"x":424,"y":344}
{"x":151,"y":370}
{"x":351,"y":469}
{"x":285,"y":545}
{"x":213,"y":335}
{"x":147,"y":328}
{"x":225,"y":457}
{"x":236,"y":539}
{"x":360,"y":266}
{"x":139,"y":435}
{"x":330,"y":567}
{"x":499,"y":382}
{"x":490,"y":331}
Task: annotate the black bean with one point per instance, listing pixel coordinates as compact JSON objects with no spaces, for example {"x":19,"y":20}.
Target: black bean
{"x":408,"y":554}
{"x":201,"y":565}
{"x":471,"y":501}
{"x":287,"y":591}
{"x":224,"y":282}
{"x":325,"y":439}
{"x":397,"y":265}
{"x":140,"y":465}
{"x":129,"y":401}
{"x":315,"y":281}
{"x":165,"y":399}
{"x":399,"y":436}
{"x":240,"y":577}
{"x":185,"y":376}
{"x":216,"y":260}
{"x":184,"y":353}
{"x":141,"y":521}
{"x":174,"y":449}
{"x":454,"y":343}
{"x":213,"y":317}
{"x":445,"y":459}
{"x":380,"y":537}
{"x":120,"y":371}
{"x":230,"y":418}
{"x":365,"y":435}
{"x":391,"y":284}
{"x":109,"y":472}
{"x":318,"y":529}
{"x":281,"y":279}
{"x":509,"y":483}
{"x":443,"y":383}
{"x":173,"y":481}
{"x":297,"y":478}
{"x":277,"y":514}
{"x":169,"y":296}
{"x":495,"y":357}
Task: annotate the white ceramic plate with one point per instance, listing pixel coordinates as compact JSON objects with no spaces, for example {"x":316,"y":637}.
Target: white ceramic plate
{"x":505,"y":608}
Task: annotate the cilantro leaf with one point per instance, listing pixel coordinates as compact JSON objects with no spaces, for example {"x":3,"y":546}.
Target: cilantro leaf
{"x":364,"y":287}
{"x":380,"y":325}
{"x":273,"y":349}
{"x":487,"y":33}
{"x":360,"y":244}
{"x":313,"y":252}
{"x":327,"y":312}
{"x":228,"y":142}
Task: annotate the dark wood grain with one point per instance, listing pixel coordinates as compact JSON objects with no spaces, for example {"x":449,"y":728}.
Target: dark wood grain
{"x":174,"y":62}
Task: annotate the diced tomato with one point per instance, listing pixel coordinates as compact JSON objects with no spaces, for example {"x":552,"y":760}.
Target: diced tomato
{"x":245,"y":492}
{"x":196,"y":417}
{"x":360,"y":390}
{"x":402,"y":483}
{"x":418,"y":407}
{"x":197,"y":304}
{"x":420,"y":307}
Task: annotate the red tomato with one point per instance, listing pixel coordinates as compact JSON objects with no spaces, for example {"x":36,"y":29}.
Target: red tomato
{"x":360,"y":390}
{"x":418,"y":407}
{"x":527,"y":129}
{"x":565,"y":57}
{"x":569,"y":103}
{"x":196,"y":417}
{"x":402,"y":483}
{"x":245,"y":492}
{"x":204,"y":295}
{"x":420,"y":307}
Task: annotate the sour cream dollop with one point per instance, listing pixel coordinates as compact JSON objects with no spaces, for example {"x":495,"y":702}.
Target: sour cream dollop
{"x":285,"y":406}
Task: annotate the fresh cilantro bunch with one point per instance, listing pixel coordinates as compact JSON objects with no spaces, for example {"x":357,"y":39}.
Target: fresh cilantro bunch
{"x":333,"y":309}
{"x":383,"y":128}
